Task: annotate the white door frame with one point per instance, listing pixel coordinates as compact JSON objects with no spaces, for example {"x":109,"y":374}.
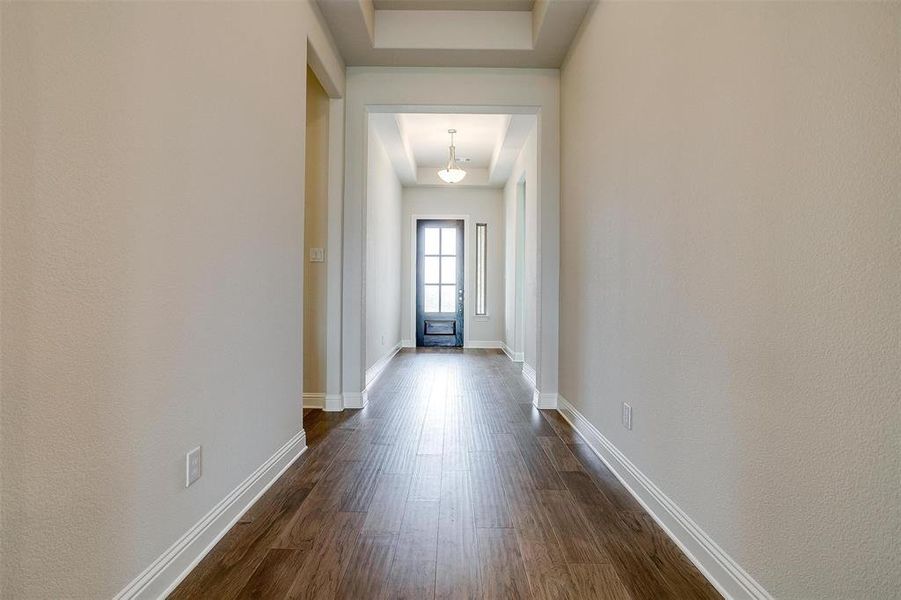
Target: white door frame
{"x":519,"y":267}
{"x":331,"y":396}
{"x":448,"y":90}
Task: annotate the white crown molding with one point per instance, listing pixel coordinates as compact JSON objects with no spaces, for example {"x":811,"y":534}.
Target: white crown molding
{"x":719,"y":568}
{"x":498,"y":37}
{"x":167,"y":571}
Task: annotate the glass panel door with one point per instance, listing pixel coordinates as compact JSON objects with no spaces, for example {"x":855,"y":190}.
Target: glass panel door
{"x":439,"y":260}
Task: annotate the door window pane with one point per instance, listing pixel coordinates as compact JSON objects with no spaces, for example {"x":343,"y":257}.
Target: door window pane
{"x":449,"y":241}
{"x":430,"y":269}
{"x":430,"y":299}
{"x":448,"y":269}
{"x":448,"y":298}
{"x":431,"y":240}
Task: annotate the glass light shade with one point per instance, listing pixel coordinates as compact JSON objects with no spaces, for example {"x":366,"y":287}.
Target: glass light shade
{"x":453,"y":175}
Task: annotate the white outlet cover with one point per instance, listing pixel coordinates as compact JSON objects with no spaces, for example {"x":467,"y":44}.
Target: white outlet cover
{"x":627,"y":416}
{"x":317,"y":254}
{"x":193,"y":465}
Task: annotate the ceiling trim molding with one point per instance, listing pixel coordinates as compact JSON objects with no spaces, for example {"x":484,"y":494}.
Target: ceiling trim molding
{"x":412,"y":34}
{"x":498,"y":147}
{"x":515,"y":136}
{"x":480,"y":5}
{"x":367,"y":11}
{"x":387,"y":129}
{"x":539,"y":11}
{"x":453,"y":30}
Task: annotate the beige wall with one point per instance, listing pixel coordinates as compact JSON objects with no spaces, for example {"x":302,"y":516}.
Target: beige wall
{"x":731,"y":266}
{"x":481,"y":205}
{"x":315,"y":234}
{"x":152,"y":202}
{"x":383,"y":253}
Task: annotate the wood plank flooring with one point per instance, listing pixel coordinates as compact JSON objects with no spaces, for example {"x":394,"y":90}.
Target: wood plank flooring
{"x":449,"y":484}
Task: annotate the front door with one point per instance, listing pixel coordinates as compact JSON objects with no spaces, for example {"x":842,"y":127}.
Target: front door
{"x":439,"y":283}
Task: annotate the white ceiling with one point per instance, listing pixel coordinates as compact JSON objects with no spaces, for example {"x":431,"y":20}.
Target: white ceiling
{"x":453,"y":4}
{"x":476,"y":138}
{"x":417,"y":144}
{"x":454,"y":33}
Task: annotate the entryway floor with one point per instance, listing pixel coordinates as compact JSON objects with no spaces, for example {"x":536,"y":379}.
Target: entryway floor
{"x":449,"y":484}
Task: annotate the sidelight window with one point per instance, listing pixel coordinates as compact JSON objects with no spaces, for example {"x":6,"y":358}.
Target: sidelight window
{"x":481,"y":268}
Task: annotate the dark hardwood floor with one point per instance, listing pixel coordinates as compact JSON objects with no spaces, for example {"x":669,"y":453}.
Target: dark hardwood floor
{"x":449,"y":484}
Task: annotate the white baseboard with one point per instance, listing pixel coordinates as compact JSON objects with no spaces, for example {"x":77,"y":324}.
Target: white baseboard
{"x":333,"y":403}
{"x":326,"y":402}
{"x":544,"y":399}
{"x":407,"y":344}
{"x":514,"y":356}
{"x":484,"y":344}
{"x":359,"y":399}
{"x":314,"y":400}
{"x":373,"y":372}
{"x":167,"y":571}
{"x":354,"y":399}
{"x":528,"y":371}
{"x":719,"y":568}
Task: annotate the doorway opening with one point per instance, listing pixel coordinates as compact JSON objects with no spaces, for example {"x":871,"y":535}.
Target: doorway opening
{"x":412,"y":297}
{"x":439,"y":283}
{"x":315,"y":236}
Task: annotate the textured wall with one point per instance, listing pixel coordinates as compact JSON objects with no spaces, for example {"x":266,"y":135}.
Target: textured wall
{"x":483,"y":205}
{"x":383,"y":253}
{"x":731,"y":266}
{"x":152,"y":247}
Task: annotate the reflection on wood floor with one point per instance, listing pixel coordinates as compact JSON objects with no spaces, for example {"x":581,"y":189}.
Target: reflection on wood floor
{"x":449,"y":484}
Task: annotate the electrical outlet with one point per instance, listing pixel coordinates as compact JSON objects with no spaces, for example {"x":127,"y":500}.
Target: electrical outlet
{"x":193,"y":466}
{"x":317,"y":254}
{"x":627,"y":416}
{"x":383,"y":339}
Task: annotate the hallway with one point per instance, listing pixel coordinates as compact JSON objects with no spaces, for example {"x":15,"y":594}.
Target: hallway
{"x":449,"y":484}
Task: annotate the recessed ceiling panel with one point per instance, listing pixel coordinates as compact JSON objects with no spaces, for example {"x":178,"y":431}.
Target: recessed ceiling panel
{"x":452,"y":33}
{"x":518,"y":5}
{"x":476,"y":138}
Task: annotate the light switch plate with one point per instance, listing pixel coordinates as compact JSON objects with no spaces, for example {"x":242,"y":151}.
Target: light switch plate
{"x":317,"y":254}
{"x":193,"y":466}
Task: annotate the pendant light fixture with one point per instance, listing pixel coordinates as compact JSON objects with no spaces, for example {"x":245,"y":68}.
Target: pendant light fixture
{"x":452,"y":173}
